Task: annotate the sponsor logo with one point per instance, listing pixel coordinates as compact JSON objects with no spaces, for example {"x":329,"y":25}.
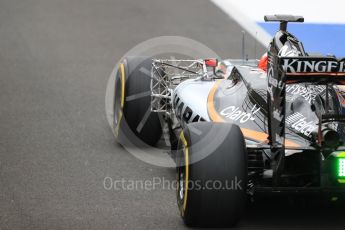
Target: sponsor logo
{"x":235,"y":114}
{"x":308,"y":93}
{"x":184,"y":112}
{"x":270,"y":75}
{"x":316,"y":65}
{"x":273,"y":82}
{"x":299,"y":123}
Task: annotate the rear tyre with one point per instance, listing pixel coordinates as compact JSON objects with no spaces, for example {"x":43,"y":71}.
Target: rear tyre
{"x":134,"y":122}
{"x":211,"y":187}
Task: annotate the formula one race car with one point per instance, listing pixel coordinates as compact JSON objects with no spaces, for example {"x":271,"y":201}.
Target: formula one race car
{"x":237,"y":130}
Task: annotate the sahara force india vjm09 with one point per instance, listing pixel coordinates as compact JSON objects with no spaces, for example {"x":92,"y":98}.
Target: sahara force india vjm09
{"x":236,"y":130}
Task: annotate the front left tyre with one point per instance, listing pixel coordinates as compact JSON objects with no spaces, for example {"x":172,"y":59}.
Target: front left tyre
{"x":134,"y":122}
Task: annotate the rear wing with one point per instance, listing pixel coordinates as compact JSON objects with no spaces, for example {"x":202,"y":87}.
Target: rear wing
{"x":318,"y":70}
{"x":283,"y":18}
{"x":292,"y":70}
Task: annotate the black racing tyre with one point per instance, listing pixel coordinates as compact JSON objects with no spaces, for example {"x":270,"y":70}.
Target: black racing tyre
{"x":211,"y":189}
{"x":134,"y":123}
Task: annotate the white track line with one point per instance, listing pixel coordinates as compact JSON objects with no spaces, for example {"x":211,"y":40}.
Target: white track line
{"x":249,"y":25}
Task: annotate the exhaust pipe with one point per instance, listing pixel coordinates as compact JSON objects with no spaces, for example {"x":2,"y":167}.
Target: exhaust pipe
{"x":331,"y":138}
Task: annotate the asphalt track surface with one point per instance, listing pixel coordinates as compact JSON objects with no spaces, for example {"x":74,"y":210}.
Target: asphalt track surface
{"x":56,"y":147}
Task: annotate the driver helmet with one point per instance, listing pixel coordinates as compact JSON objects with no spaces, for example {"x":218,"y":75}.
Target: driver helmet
{"x":263,"y":62}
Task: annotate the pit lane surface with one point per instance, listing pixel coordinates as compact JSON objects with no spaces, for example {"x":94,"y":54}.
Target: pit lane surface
{"x":56,"y":147}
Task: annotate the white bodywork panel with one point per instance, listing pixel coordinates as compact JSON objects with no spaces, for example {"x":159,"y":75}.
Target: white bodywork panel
{"x":194,"y":93}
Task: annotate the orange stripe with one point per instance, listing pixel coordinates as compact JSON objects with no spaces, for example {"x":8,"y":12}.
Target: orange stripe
{"x":210,"y":103}
{"x":247,"y":133}
{"x":263,"y":137}
{"x":291,"y":144}
{"x":255,"y":135}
